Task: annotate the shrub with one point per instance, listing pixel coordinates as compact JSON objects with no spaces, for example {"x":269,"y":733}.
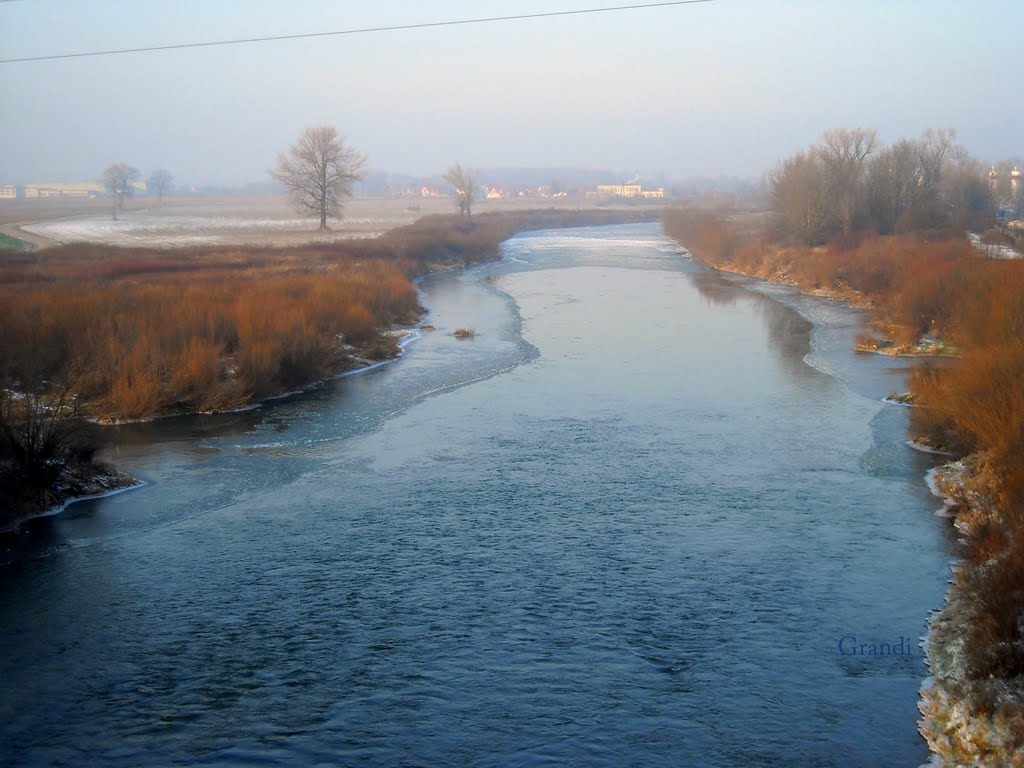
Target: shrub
{"x":41,"y":432}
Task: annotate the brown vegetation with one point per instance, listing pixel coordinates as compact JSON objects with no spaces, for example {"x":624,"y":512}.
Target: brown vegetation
{"x":148,"y":331}
{"x":145,"y":335}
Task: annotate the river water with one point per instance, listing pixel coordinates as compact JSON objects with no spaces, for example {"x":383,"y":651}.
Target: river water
{"x":629,"y":523}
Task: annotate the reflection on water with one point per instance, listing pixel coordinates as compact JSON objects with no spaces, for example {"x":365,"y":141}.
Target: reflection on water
{"x":628,"y":523}
{"x":788,"y":332}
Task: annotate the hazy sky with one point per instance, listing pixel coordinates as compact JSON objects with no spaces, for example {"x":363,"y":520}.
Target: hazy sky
{"x":726,"y":87}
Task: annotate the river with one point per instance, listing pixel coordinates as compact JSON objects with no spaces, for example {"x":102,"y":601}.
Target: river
{"x":630,"y":522}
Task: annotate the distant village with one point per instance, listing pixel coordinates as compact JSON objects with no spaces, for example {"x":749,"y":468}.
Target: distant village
{"x":1008,"y":192}
{"x":431,"y":188}
{"x":80,"y":190}
{"x":1006,"y":184}
{"x":491,"y":192}
{"x":50,"y":190}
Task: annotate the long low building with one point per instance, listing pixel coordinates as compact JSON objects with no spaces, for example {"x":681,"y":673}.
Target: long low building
{"x":627,"y":190}
{"x":62,"y":189}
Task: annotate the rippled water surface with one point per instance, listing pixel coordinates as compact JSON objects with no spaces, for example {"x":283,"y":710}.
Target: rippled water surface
{"x":626,"y":524}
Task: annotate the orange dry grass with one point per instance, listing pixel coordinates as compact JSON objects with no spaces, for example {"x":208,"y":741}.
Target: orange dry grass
{"x":192,"y":332}
{"x":135,"y":348}
{"x":142,"y":331}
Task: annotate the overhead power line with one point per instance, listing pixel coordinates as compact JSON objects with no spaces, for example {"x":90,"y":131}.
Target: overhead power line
{"x":360,"y":31}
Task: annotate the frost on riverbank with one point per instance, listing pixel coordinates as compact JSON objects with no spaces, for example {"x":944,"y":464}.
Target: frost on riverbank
{"x":76,"y":482}
{"x":966,"y":722}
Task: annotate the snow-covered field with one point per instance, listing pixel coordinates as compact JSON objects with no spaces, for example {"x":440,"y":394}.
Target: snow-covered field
{"x":142,"y":229}
{"x":190,"y":221}
{"x":213,"y":221}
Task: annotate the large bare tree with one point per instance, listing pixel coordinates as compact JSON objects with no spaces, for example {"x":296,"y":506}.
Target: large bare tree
{"x":843,"y":152}
{"x":798,"y":190}
{"x":464,"y":180}
{"x":118,"y":179}
{"x":319,"y":170}
{"x":893,"y":185}
{"x":160,"y":182}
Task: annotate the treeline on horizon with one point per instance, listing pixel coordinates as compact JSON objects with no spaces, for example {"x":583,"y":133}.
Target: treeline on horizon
{"x":886,"y":228}
{"x":850,"y":182}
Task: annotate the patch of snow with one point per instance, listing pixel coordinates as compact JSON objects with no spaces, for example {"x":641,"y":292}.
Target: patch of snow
{"x":993,"y":251}
{"x":148,"y":230}
{"x":926,"y":448}
{"x":894,"y":401}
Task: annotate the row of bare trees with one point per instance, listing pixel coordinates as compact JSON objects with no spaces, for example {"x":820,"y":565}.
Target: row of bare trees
{"x":318,"y":170}
{"x":849,"y":181}
{"x":119,"y":180}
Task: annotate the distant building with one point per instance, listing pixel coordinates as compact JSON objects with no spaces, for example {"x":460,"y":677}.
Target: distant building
{"x":74,"y":190}
{"x":494,"y":193}
{"x":8,"y":192}
{"x":627,"y":190}
{"x":619,"y":190}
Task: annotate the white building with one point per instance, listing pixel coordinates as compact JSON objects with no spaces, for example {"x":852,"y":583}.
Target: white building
{"x":8,"y":192}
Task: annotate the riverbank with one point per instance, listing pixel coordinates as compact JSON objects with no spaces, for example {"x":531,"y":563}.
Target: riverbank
{"x":143,"y":334}
{"x":967,"y":721}
{"x":79,"y":481}
{"x":920,"y":292}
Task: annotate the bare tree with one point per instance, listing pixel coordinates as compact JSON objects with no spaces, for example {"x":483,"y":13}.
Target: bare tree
{"x":893,"y":185}
{"x":932,"y":148}
{"x":118,"y":179}
{"x":464,"y":180}
{"x":965,"y":190}
{"x":843,"y":152}
{"x":319,"y":170}
{"x":798,"y":192}
{"x":160,"y":182}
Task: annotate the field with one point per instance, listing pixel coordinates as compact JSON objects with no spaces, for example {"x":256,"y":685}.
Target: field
{"x":225,"y":221}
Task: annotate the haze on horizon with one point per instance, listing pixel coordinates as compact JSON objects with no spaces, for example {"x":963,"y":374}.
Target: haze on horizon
{"x":725,"y":87}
